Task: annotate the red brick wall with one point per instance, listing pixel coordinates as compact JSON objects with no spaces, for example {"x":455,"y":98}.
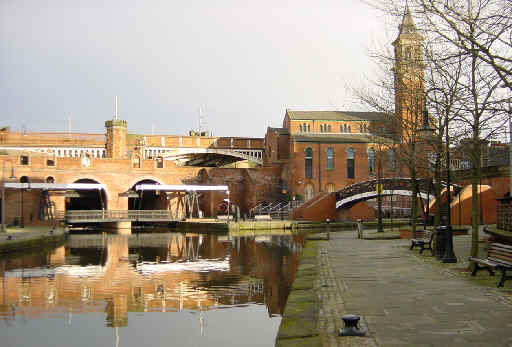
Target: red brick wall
{"x":359,"y":211}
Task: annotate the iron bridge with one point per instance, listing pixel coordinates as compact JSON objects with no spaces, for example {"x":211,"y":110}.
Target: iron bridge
{"x":367,"y":190}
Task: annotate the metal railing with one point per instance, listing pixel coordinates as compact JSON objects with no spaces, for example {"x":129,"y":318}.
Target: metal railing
{"x":90,"y":216}
{"x":276,"y":209}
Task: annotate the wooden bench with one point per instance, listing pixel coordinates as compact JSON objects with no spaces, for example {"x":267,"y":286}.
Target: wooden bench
{"x":423,"y":239}
{"x":499,"y":257}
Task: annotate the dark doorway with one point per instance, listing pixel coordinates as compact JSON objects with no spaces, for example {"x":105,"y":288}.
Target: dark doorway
{"x":92,"y":199}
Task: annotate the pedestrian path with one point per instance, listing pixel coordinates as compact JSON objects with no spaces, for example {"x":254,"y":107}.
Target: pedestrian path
{"x":405,"y":299}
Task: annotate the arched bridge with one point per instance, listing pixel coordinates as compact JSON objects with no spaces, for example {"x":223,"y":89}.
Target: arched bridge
{"x":367,"y":190}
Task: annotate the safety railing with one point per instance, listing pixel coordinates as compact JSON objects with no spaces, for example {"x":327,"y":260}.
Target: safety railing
{"x":84,"y":216}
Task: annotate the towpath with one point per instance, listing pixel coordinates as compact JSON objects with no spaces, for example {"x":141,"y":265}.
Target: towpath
{"x":405,"y":299}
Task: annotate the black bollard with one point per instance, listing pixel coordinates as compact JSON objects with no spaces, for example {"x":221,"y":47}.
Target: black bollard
{"x":449,"y":255}
{"x":351,"y":329}
{"x":440,"y":241}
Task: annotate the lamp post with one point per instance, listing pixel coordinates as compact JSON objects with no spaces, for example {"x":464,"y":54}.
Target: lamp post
{"x":3,"y":193}
{"x":449,"y":255}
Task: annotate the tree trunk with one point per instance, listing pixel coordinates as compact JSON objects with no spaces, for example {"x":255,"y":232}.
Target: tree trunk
{"x":475,"y":219}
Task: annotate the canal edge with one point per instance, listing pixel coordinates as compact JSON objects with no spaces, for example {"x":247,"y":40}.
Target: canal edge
{"x":20,"y":241}
{"x":300,"y":323}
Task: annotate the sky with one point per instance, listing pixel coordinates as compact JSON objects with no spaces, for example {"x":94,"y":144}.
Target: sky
{"x":243,"y":63}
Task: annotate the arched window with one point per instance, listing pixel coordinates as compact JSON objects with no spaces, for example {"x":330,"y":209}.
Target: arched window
{"x":24,"y":179}
{"x":300,"y":127}
{"x":136,"y":162}
{"x":50,"y":179}
{"x":329,"y":128}
{"x":321,"y":128}
{"x":344,"y":128}
{"x":366,"y":128}
{"x":349,"y":131}
{"x":330,"y":158}
{"x":371,"y":161}
{"x":391,"y":159}
{"x":350,"y":163}
{"x":360,"y":128}
{"x":310,"y":192}
{"x":309,"y":129}
{"x":309,"y":162}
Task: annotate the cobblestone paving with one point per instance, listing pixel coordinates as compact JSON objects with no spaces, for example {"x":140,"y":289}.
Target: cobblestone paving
{"x":405,"y":299}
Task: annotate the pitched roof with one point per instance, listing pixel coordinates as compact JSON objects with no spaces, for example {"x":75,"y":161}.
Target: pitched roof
{"x":340,"y":138}
{"x":335,"y":115}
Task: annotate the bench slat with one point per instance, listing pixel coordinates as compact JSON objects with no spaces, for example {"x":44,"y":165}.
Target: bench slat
{"x":501,"y":245}
{"x":506,"y":257}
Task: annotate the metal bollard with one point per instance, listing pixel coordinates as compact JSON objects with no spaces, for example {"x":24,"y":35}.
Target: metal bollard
{"x":359,"y":228}
{"x":440,"y":242}
{"x":351,"y":329}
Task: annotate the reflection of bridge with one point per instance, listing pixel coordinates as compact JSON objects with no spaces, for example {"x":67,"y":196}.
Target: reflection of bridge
{"x":367,"y":190}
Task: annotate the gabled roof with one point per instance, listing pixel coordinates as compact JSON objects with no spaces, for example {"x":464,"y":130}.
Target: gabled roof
{"x":335,"y":115}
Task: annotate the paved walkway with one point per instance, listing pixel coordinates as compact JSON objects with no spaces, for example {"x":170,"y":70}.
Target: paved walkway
{"x":405,"y":299}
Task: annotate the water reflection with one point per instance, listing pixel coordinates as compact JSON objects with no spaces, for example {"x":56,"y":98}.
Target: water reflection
{"x":171,"y":272}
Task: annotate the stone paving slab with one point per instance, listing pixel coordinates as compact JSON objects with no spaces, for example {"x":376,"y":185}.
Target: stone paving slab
{"x":407,"y":299}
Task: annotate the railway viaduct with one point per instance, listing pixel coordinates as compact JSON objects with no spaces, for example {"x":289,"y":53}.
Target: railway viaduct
{"x":120,"y":161}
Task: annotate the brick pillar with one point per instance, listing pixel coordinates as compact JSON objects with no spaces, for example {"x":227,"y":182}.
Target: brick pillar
{"x":116,"y":139}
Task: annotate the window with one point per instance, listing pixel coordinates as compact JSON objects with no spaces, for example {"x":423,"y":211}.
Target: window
{"x":310,"y":192}
{"x":309,"y":129}
{"x":349,"y":131}
{"x":350,"y":163}
{"x":344,"y":128}
{"x":365,"y":128}
{"x":159,"y":163}
{"x":321,"y":128}
{"x":329,"y":128}
{"x":329,"y":188}
{"x":371,"y":161}
{"x":391,"y":159}
{"x":360,"y":128}
{"x":136,"y":162}
{"x":330,"y":158}
{"x":24,"y":179}
{"x":309,"y":162}
{"x":300,"y":127}
{"x":24,"y":160}
{"x":50,"y":162}
{"x":50,"y":179}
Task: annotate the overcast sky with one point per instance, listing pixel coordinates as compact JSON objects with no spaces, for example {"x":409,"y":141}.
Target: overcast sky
{"x":243,"y":62}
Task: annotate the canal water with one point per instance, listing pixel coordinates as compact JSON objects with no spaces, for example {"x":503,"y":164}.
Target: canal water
{"x":148,"y":289}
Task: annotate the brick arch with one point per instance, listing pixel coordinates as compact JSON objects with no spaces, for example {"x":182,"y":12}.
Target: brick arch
{"x":108,"y":192}
{"x":142,"y":178}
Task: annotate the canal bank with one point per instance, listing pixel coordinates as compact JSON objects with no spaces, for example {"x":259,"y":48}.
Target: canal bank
{"x":19,"y":239}
{"x":402,"y":297}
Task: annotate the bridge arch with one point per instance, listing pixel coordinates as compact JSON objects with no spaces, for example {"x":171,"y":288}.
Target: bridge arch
{"x":367,"y":190}
{"x":137,"y":180}
{"x":146,"y":200}
{"x":196,"y":156}
{"x":92,"y":199}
